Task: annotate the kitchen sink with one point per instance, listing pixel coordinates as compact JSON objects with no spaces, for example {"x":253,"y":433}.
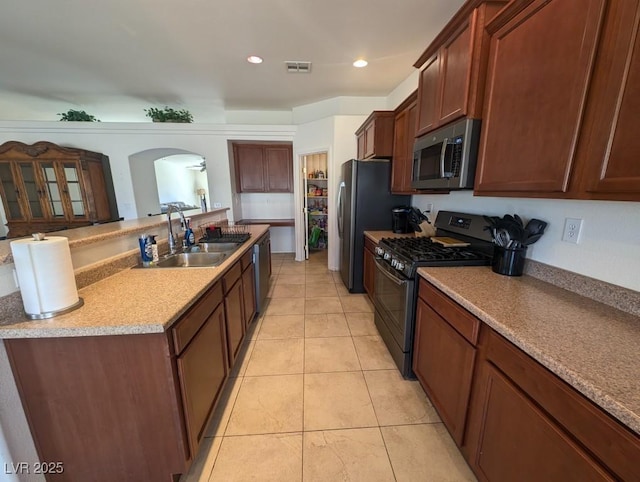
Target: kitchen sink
{"x":192,"y":260}
{"x":218,"y":247}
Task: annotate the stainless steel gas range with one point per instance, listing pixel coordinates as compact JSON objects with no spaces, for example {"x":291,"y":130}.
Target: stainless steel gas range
{"x":397,"y":262}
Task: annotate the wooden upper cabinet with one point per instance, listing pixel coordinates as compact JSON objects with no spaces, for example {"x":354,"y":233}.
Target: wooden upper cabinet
{"x":249,"y":168}
{"x":451,"y":83}
{"x":263,"y":167}
{"x":456,"y":66}
{"x":45,"y":187}
{"x":562,"y":95}
{"x":279,"y":167}
{"x":375,"y":135}
{"x":539,"y":71}
{"x":611,"y":149}
{"x":403,"y":140}
{"x":428,"y":93}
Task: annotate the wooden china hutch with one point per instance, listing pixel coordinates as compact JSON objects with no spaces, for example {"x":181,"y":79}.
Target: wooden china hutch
{"x":45,"y":187}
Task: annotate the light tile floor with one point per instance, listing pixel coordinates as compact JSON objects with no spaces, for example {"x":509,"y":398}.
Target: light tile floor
{"x":315,"y":396}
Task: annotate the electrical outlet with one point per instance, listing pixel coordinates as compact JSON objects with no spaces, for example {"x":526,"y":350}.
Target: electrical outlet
{"x":428,"y":208}
{"x":217,"y":205}
{"x":572,"y":230}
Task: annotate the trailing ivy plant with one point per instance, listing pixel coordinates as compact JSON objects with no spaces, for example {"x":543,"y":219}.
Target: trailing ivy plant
{"x":77,"y":116}
{"x":169,"y":115}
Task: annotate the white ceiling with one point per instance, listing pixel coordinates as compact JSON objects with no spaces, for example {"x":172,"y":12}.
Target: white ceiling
{"x":187,"y":53}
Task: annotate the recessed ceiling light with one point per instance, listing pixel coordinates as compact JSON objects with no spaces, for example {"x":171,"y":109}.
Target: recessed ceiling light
{"x":360,"y":63}
{"x":254,"y":59}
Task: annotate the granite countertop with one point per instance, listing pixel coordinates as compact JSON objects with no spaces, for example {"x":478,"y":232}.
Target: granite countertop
{"x":100,"y":232}
{"x":591,"y":346}
{"x":133,"y":301}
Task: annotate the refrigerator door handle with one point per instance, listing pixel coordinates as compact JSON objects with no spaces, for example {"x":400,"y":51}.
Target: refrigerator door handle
{"x":340,"y":209}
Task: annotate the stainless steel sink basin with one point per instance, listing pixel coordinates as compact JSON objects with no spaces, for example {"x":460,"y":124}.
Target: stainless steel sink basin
{"x":192,"y":260}
{"x":219,"y":247}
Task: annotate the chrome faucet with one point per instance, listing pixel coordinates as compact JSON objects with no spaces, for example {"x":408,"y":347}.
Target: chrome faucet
{"x":172,"y":240}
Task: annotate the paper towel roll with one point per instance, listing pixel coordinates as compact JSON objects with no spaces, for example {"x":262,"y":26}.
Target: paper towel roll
{"x":45,"y":275}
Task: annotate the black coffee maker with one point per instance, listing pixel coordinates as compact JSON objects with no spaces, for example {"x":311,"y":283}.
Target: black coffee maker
{"x":401,"y":219}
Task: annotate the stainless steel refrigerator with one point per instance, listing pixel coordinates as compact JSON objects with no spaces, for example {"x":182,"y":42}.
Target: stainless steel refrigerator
{"x":364,"y":203}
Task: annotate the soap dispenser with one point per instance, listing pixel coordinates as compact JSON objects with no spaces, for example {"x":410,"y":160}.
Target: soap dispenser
{"x":189,"y":237}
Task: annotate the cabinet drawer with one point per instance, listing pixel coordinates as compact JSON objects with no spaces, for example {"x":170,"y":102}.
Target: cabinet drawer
{"x":231,"y":276}
{"x":460,"y":319}
{"x":247,"y":259}
{"x":185,"y":329}
{"x":616,"y":446}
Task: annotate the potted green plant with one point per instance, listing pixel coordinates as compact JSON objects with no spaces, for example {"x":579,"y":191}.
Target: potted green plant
{"x":77,"y":116}
{"x":169,"y":115}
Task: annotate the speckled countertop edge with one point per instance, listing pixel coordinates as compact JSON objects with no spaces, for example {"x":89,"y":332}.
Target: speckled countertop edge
{"x":132,"y":301}
{"x":92,"y":234}
{"x":612,"y":385}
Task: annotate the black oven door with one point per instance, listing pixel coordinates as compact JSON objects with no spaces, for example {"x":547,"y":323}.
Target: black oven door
{"x":393,"y":298}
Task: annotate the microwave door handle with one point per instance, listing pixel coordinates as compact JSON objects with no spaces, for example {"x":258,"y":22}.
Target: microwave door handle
{"x":443,"y":152}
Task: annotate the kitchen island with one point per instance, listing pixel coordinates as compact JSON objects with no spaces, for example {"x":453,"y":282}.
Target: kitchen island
{"x":122,"y":388}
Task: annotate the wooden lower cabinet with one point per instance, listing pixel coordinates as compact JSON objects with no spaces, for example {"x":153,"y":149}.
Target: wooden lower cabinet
{"x":526,"y":424}
{"x":519,"y":442}
{"x":107,"y":407}
{"x":203,"y":368}
{"x":369,"y":267}
{"x":511,"y":417}
{"x":443,"y":363}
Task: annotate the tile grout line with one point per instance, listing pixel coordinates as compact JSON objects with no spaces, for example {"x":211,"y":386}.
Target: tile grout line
{"x":375,"y":412}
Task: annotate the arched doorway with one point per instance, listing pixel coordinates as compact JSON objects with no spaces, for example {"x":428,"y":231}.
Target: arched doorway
{"x":162,"y":175}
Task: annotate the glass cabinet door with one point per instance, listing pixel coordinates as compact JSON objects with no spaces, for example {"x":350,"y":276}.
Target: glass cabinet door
{"x":74,"y":189}
{"x":33,"y":192}
{"x":11,"y":194}
{"x":52,"y":188}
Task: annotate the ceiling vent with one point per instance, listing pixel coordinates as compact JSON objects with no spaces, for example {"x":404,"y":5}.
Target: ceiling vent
{"x":296,"y":67}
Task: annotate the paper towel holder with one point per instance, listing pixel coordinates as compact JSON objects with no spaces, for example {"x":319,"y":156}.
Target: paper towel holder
{"x":51,"y":314}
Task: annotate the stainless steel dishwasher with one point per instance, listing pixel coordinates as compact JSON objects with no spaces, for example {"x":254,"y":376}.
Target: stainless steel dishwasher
{"x":262,"y":264}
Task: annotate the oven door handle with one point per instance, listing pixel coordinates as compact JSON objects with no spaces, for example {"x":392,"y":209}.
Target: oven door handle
{"x":385,"y":271}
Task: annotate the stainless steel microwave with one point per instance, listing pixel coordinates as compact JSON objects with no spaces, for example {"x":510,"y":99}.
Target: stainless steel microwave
{"x":446,"y":158}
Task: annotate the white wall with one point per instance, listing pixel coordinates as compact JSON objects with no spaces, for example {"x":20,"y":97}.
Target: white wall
{"x":403,"y":90}
{"x":267,"y":205}
{"x":272,"y":206}
{"x":315,"y":136}
{"x":121,"y":140}
{"x":177,"y":183}
{"x":609,"y":248}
